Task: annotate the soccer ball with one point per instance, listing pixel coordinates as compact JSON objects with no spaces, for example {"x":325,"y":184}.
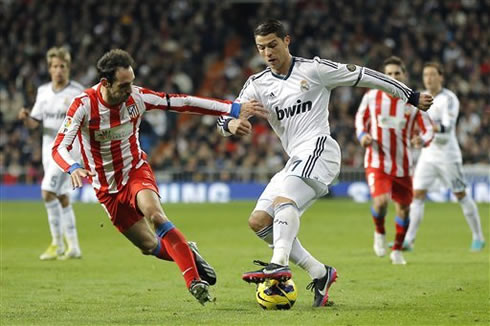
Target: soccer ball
{"x":276,"y":295}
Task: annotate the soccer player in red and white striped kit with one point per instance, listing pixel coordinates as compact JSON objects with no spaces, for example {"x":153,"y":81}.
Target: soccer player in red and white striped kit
{"x":106,"y":120}
{"x":386,"y":127}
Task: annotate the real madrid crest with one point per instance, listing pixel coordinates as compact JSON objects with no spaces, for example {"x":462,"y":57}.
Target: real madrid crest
{"x":304,"y":86}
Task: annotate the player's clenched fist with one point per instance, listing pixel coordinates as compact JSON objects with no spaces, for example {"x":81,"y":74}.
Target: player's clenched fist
{"x":425,"y":101}
{"x":366,"y":140}
{"x":23,"y":114}
{"x":240,"y":127}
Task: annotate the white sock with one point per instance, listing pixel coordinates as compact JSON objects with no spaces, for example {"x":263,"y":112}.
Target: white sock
{"x":416,"y":216}
{"x":299,"y":255}
{"x":286,"y":227}
{"x":472,"y":216}
{"x":69,"y":227}
{"x":54,"y":218}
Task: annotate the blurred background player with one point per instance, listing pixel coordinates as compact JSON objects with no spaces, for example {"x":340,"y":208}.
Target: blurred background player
{"x":107,"y":118}
{"x":442,"y":160}
{"x":296,"y":92}
{"x":52,"y":102}
{"x":384,"y":126}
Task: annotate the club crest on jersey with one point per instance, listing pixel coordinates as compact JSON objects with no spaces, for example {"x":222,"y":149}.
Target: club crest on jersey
{"x":133,"y":111}
{"x":351,"y":67}
{"x":304,"y":86}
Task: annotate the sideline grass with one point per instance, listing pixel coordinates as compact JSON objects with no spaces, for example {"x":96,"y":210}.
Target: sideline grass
{"x":443,"y":283}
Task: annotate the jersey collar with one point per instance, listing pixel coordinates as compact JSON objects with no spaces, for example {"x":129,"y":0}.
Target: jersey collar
{"x":289,"y":71}
{"x":62,"y":89}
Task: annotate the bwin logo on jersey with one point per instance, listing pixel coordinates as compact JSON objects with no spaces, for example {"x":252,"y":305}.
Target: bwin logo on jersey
{"x":299,"y":107}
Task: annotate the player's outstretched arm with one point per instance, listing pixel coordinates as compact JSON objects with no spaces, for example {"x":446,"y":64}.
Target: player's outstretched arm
{"x":333,"y":74}
{"x":201,"y":105}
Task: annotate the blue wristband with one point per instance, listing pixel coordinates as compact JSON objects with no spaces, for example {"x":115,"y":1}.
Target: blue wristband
{"x":361,"y":135}
{"x":235,"y":109}
{"x":74,"y":167}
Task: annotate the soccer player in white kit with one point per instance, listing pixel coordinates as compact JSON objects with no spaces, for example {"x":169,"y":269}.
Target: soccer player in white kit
{"x":296,"y":92}
{"x":442,"y":160}
{"x":52,"y":102}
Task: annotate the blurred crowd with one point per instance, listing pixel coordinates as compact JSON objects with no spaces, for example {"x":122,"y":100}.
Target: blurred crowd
{"x":207,"y":48}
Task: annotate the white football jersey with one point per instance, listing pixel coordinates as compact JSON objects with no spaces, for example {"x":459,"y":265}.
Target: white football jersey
{"x":298,"y":102}
{"x":444,"y":113}
{"x":50,"y":109}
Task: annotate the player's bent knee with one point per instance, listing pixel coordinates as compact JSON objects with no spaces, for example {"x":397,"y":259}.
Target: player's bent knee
{"x":147,"y":246}
{"x":64,"y":200}
{"x":157,"y":217}
{"x":403,"y":211}
{"x":460,"y":195}
{"x":48,"y":196}
{"x":259,"y":220}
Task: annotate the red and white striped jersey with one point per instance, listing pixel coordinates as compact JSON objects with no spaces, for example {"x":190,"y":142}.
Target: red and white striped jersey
{"x":109,"y":136}
{"x":391,"y":124}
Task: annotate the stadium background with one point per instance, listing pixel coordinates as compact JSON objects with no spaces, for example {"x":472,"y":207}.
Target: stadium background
{"x":206,"y":48}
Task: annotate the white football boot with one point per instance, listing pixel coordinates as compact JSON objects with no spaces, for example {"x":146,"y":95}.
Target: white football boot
{"x":397,"y":258}
{"x":379,"y":244}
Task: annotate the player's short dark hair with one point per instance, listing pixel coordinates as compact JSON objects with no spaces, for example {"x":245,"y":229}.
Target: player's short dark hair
{"x":436,"y":65}
{"x":394,"y":60}
{"x":269,"y":27}
{"x":110,"y":61}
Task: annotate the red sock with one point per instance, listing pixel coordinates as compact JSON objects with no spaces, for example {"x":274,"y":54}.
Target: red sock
{"x":178,"y":249}
{"x":379,"y":221}
{"x":161,"y":252}
{"x":401,"y":229}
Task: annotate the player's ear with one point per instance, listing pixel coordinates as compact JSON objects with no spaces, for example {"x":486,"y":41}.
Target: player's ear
{"x":287,"y":40}
{"x":104,"y":82}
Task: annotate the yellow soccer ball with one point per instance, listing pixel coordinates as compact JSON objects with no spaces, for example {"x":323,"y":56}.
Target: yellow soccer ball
{"x":276,"y":295}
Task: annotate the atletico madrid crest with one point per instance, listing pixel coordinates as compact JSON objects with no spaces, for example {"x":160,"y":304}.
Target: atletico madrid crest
{"x":133,"y":111}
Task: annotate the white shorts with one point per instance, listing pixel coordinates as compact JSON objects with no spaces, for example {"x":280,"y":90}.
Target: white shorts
{"x":315,"y":169}
{"x":450,"y":174}
{"x":55,"y":180}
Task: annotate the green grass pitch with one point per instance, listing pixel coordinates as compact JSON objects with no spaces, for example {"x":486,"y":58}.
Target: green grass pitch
{"x":443,"y":283}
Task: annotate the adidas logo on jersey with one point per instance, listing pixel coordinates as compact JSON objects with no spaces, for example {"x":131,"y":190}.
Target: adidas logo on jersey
{"x":299,"y":107}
